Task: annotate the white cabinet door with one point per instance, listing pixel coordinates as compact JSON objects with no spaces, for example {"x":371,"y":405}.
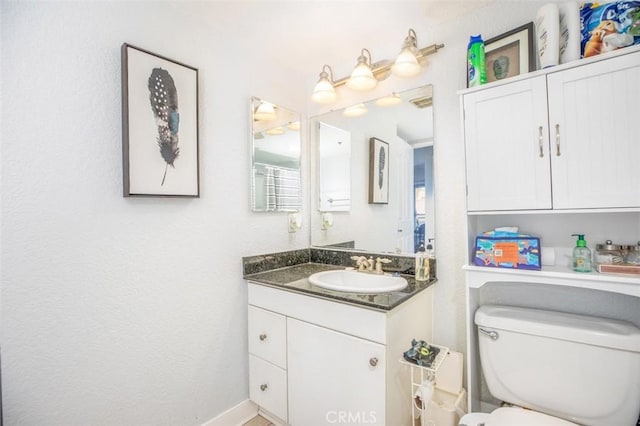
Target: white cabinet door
{"x":595,"y":142}
{"x":507,"y":149}
{"x":333,"y":378}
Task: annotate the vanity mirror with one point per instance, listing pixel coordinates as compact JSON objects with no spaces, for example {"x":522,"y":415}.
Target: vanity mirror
{"x":342,"y":215}
{"x":275,"y":159}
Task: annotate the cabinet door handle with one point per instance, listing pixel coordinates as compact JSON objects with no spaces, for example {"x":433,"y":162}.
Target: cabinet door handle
{"x":263,"y":337}
{"x":373,"y":361}
{"x":263,"y":387}
{"x":540,"y":141}
{"x":557,"y":140}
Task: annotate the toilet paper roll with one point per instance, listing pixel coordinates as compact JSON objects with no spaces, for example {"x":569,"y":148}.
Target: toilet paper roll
{"x":548,"y":256}
{"x":421,"y":398}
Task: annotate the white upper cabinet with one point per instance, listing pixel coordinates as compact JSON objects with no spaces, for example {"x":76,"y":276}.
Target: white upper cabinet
{"x":567,"y":139}
{"x":507,"y":154}
{"x":595,"y":137}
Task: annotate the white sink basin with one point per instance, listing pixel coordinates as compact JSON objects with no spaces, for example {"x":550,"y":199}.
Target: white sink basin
{"x":351,"y":281}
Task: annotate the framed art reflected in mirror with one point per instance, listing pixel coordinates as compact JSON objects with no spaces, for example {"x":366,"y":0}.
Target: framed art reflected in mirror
{"x":378,"y":171}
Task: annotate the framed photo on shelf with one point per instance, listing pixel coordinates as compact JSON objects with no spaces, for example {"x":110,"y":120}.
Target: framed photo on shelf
{"x":159,"y":125}
{"x":510,"y":54}
{"x":378,"y":171}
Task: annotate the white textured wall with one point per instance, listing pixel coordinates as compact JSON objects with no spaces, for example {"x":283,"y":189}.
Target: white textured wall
{"x":133,"y":311}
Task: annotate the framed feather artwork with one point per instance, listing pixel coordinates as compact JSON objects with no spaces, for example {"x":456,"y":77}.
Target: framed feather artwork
{"x":378,"y":171}
{"x":159,"y":125}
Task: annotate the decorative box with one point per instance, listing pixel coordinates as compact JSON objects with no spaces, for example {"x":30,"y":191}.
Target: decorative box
{"x":513,"y":251}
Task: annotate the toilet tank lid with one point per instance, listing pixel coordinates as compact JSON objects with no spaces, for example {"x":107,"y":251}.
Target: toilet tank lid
{"x":596,"y":331}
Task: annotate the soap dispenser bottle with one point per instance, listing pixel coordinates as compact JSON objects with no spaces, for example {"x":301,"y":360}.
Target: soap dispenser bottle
{"x":581,"y":255}
{"x":422,"y":264}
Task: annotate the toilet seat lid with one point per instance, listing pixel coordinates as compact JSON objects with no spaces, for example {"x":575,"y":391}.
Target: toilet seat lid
{"x":509,"y":416}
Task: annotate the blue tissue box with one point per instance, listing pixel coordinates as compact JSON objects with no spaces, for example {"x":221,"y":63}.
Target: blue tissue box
{"x":514,"y":251}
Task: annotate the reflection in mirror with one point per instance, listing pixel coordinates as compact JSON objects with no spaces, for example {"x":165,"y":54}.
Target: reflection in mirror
{"x":275,"y":167}
{"x":334,"y":168}
{"x":405,"y":121}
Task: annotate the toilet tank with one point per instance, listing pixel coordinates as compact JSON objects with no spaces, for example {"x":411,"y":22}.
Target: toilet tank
{"x":581,"y":368}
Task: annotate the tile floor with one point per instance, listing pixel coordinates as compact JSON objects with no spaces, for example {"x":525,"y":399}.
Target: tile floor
{"x":258,"y":421}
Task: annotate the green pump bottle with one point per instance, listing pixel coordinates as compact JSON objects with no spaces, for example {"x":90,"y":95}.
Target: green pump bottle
{"x":581,"y":255}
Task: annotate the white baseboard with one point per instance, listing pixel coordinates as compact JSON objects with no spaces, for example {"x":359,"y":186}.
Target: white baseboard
{"x":235,"y":416}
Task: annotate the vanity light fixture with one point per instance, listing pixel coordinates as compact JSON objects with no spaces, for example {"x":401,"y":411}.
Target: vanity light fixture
{"x":366,"y":74}
{"x":275,"y":131}
{"x":361,"y":77}
{"x":389,"y":100}
{"x":294,"y":126}
{"x":406,"y":64}
{"x":355,"y":111}
{"x":265,"y":112}
{"x":325,"y":92}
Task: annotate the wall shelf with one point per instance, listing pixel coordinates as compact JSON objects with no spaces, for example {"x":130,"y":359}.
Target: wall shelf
{"x":477,"y":276}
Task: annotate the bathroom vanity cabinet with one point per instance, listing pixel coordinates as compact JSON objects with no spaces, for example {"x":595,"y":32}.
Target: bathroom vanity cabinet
{"x":560,"y":138}
{"x":316,"y":361}
{"x":553,"y":152}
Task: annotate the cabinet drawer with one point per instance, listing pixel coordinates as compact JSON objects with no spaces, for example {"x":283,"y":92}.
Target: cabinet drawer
{"x":268,"y":336}
{"x":268,"y":386}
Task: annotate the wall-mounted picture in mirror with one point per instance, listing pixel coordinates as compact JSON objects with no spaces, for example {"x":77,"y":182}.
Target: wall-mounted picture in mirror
{"x":275,"y":168}
{"x":378,"y":171}
{"x":160,"y":125}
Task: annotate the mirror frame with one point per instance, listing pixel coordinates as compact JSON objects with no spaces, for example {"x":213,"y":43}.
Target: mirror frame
{"x":423,"y":97}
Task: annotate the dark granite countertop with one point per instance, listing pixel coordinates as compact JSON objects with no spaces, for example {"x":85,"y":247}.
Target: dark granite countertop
{"x":295,"y":278}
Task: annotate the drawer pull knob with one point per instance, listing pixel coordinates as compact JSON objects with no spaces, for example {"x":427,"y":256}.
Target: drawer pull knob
{"x":263,"y":337}
{"x":263,"y":387}
{"x":373,"y":361}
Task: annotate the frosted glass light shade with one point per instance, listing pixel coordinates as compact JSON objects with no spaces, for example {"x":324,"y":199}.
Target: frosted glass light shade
{"x":324,"y":92}
{"x":276,"y":131}
{"x":390,"y":100}
{"x":406,"y":64}
{"x":265,"y":112}
{"x":355,"y":111}
{"x":362,"y":78}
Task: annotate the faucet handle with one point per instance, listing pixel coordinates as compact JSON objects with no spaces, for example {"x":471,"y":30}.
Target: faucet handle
{"x":360,"y":262}
{"x":379,"y":262}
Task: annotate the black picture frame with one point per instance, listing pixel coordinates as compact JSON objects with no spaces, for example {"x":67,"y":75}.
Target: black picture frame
{"x":159,"y":126}
{"x":378,"y":171}
{"x":510,"y":54}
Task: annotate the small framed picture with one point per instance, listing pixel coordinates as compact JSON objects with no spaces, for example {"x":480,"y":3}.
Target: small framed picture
{"x":510,"y":54}
{"x":159,"y":125}
{"x":378,"y":171}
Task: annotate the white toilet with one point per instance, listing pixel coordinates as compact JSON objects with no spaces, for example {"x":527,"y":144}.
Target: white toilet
{"x":565,"y":369}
